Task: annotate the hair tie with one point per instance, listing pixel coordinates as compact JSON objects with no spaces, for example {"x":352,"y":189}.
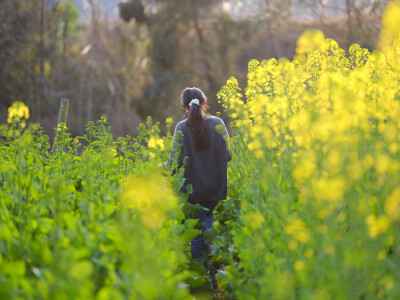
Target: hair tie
{"x":194,"y":101}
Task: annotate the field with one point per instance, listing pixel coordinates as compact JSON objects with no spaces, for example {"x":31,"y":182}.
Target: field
{"x":313,"y":209}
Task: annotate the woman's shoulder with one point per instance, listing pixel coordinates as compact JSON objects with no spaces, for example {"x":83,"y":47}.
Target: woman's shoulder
{"x":214,"y":119}
{"x":210,"y":118}
{"x":215,"y":122}
{"x":181,"y":124}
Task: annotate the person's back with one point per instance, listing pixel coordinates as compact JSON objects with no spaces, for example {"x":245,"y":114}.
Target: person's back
{"x":203,"y":139}
{"x":206,"y":169}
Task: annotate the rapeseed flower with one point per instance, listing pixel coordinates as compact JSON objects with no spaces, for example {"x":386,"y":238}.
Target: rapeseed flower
{"x":298,"y":265}
{"x":376,"y":225}
{"x":151,"y":197}
{"x":390,"y":26}
{"x":298,"y":230}
{"x":17,"y":111}
{"x":392,"y":205}
{"x":155,"y":143}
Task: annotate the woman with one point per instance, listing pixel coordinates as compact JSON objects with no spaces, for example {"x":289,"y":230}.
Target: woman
{"x":203,"y":139}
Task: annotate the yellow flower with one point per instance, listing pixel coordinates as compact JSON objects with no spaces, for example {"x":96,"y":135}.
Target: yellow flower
{"x":17,"y":111}
{"x":334,"y":157}
{"x":255,"y":219}
{"x":258,"y":154}
{"x":381,"y":255}
{"x":152,"y":218}
{"x":390,"y":26}
{"x":355,"y":170}
{"x":369,"y":160}
{"x":160,"y":143}
{"x":392,"y":205}
{"x":298,"y":230}
{"x":377,"y":226}
{"x":151,"y":196}
{"x":298,"y":265}
{"x":169,"y":121}
{"x":254,"y":145}
{"x":309,"y":253}
{"x":292,"y":244}
{"x":151,"y":143}
{"x":155,"y":143}
{"x":382,"y":163}
{"x":308,"y":42}
{"x":330,"y":189}
{"x":305,"y":168}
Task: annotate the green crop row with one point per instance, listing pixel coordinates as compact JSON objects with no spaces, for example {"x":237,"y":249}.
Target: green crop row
{"x":73,"y":224}
{"x":313,"y":207}
{"x":316,"y":171}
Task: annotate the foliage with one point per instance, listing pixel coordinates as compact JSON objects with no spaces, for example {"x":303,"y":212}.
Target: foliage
{"x":81,"y":222}
{"x":390,"y":26}
{"x":31,"y":50}
{"x":49,"y":51}
{"x":316,"y":169}
{"x":308,"y":42}
{"x":189,"y":43}
{"x":313,"y":209}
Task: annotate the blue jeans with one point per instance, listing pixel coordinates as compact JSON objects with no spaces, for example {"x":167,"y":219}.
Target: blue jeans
{"x":198,"y":244}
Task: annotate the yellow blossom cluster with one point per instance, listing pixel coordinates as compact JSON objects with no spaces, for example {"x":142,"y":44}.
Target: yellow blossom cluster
{"x":151,"y":197}
{"x":377,"y":226}
{"x":169,"y":121}
{"x":308,"y":42}
{"x":335,"y":121}
{"x":390,"y":26}
{"x":316,"y":144}
{"x":155,"y":143}
{"x":298,"y":231}
{"x":18,"y":111}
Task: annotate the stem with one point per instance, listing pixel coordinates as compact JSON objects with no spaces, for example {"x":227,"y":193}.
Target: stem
{"x":62,"y":118}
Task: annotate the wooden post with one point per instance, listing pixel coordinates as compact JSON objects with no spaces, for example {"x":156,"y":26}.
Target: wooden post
{"x":62,"y":118}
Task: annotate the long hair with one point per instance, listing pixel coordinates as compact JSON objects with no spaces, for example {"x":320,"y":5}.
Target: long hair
{"x":195,"y":114}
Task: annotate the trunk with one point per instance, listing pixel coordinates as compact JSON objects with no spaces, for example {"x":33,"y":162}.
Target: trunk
{"x":41,"y":53}
{"x":271,"y":44}
{"x":54,"y":57}
{"x":92,"y":57}
{"x":31,"y":99}
{"x":208,"y":72}
{"x":64,"y":40}
{"x":89,"y":97}
{"x":350,"y":37}
{"x":80,"y":99}
{"x":62,"y":118}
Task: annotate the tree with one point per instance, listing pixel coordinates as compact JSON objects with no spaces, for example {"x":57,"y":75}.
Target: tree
{"x":191,"y":43}
{"x":361,"y":18}
{"x":30,"y":52}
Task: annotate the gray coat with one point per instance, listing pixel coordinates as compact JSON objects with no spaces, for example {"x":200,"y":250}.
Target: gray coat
{"x":205,"y":170}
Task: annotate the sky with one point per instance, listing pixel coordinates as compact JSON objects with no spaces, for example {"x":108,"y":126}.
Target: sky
{"x":109,"y":8}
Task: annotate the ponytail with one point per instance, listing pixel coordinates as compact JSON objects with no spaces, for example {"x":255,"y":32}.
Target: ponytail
{"x":198,"y":127}
{"x":196,"y":122}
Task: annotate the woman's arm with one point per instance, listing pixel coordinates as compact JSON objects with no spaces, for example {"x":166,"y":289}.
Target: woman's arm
{"x":176,"y":147}
{"x":226,"y":137}
{"x":221,"y":129}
